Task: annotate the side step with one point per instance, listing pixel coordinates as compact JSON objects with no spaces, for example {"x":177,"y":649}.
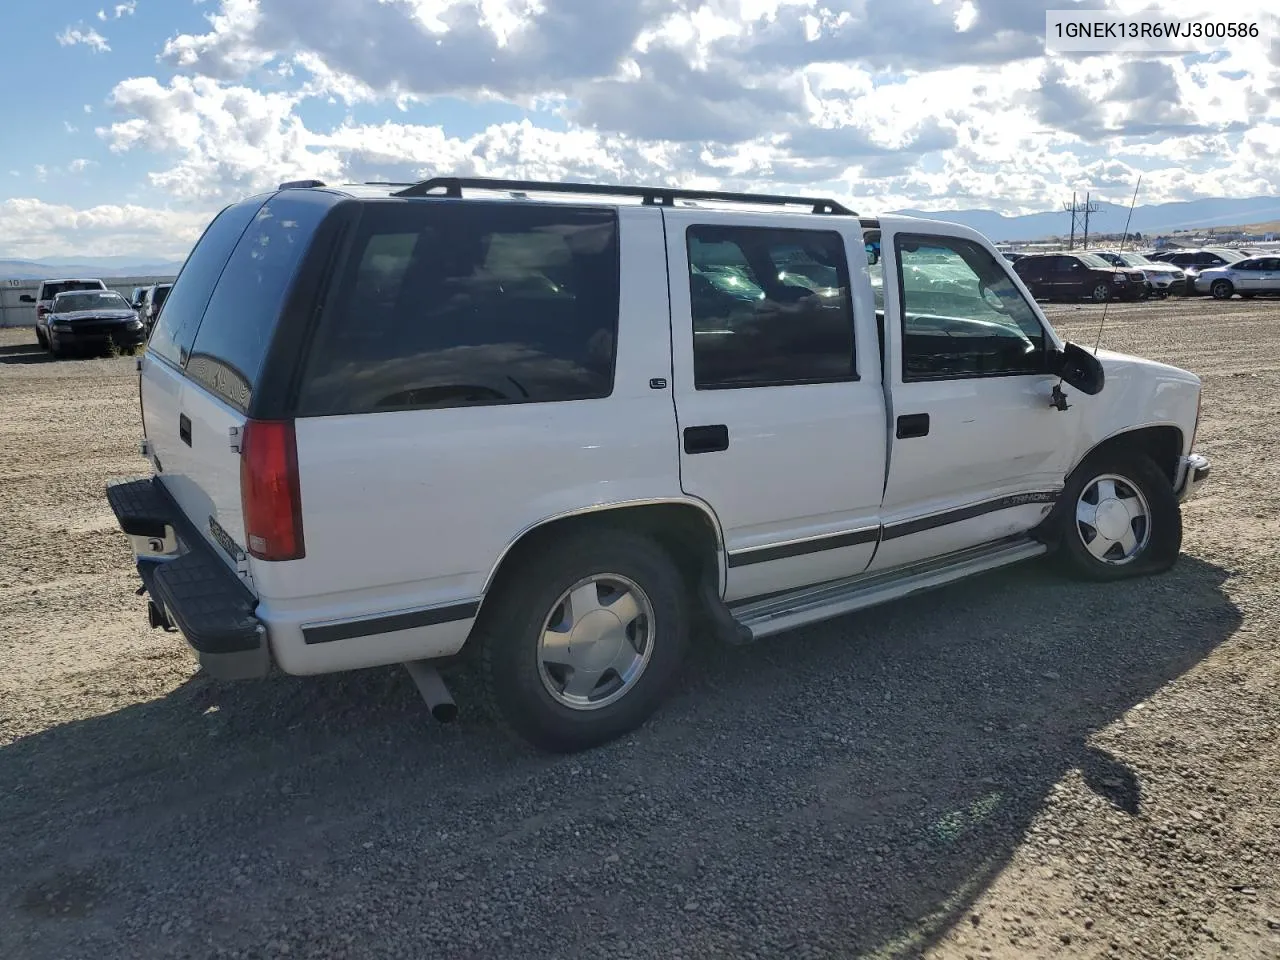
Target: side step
{"x":796,"y":608}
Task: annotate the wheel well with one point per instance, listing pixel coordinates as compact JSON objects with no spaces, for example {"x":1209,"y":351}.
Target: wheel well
{"x":686,"y":531}
{"x":1161,"y":444}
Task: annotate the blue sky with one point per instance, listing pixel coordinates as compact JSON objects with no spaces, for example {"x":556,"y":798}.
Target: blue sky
{"x":133,"y":122}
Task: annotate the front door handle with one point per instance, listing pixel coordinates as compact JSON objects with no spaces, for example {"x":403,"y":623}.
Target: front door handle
{"x":913,"y":425}
{"x":184,"y":428}
{"x":706,"y":439}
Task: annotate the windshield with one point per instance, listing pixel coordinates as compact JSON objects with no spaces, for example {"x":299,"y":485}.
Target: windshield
{"x":75,"y":302}
{"x":1092,"y":260}
{"x":1135,"y":259}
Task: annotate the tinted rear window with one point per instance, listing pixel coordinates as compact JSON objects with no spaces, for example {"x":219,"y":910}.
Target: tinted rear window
{"x":51,"y":290}
{"x":460,"y":304}
{"x":241,"y":317}
{"x":176,"y":327}
{"x":160,"y":295}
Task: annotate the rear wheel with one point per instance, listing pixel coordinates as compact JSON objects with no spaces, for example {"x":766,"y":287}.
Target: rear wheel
{"x":1222,"y":290}
{"x":580,"y":644}
{"x":1120,"y":518}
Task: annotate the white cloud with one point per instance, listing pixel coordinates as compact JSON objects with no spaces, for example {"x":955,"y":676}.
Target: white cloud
{"x":33,"y":228}
{"x":80,"y":165}
{"x":69,"y":126}
{"x":87,"y":36}
{"x":936,"y":104}
{"x":120,"y":10}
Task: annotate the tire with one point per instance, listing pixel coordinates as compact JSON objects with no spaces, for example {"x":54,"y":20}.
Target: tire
{"x":1101,"y":293}
{"x":529,"y":693}
{"x":1141,"y":492}
{"x":1221,"y":290}
{"x":57,"y":349}
{"x":44,"y":344}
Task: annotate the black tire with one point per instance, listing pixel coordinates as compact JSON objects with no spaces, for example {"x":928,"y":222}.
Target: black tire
{"x":1221,"y":290}
{"x":57,"y":349}
{"x":1101,"y":293}
{"x":44,"y":344}
{"x":512,"y":620}
{"x":1164,"y":538}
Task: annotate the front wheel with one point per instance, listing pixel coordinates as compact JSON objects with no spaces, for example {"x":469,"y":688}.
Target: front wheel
{"x":1121,"y":518}
{"x":583,"y":641}
{"x":1101,"y":293}
{"x":1221,"y":290}
{"x":40,"y":339}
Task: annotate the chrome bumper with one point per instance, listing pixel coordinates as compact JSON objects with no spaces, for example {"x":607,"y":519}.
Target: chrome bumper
{"x":1193,"y":470}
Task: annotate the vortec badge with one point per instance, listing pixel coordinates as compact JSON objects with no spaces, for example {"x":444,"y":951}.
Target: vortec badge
{"x":224,"y":540}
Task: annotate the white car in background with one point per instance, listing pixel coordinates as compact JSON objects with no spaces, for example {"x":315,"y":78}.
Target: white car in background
{"x":1162,"y":278}
{"x":1250,"y":277}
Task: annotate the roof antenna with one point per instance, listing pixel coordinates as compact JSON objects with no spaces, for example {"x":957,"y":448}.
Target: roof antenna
{"x":1123,"y":238}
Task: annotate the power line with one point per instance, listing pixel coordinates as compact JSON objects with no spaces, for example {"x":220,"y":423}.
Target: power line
{"x":1080,"y":217}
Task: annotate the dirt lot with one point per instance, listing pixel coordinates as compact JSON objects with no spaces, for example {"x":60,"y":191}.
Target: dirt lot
{"x":1012,"y":767}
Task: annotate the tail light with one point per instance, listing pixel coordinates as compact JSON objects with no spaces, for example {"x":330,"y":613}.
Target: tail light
{"x":269,"y":490}
{"x":41,"y":310}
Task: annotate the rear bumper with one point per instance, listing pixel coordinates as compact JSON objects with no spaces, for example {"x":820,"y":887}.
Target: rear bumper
{"x":1193,"y":471}
{"x":193,"y":586}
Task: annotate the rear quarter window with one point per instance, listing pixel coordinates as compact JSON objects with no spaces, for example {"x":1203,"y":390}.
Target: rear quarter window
{"x":176,"y":328}
{"x":241,"y":316}
{"x":442,"y":304}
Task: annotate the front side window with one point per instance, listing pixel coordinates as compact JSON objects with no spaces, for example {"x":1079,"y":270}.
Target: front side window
{"x":468,"y":304}
{"x":769,"y":307}
{"x":962,"y":315}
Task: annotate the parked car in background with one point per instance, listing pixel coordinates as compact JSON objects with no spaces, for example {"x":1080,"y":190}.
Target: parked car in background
{"x":152,"y":301}
{"x":391,"y":424}
{"x":1191,"y":262}
{"x":1162,"y":278}
{"x":50,"y":289}
{"x":1078,"y":276}
{"x":89,"y":320}
{"x":1249,"y":278}
{"x":1011,"y":256}
{"x":135,"y":298}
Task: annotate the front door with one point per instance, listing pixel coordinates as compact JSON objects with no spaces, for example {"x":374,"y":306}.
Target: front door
{"x":778,"y":393}
{"x":977,"y":453}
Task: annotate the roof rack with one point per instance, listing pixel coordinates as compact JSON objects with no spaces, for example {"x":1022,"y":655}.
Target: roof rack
{"x":300,"y":184}
{"x":651,"y":196}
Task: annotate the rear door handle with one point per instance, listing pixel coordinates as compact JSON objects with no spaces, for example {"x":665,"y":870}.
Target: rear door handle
{"x":706,"y":439}
{"x":913,"y":425}
{"x":184,"y":428}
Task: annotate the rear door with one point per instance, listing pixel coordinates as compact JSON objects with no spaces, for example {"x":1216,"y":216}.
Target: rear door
{"x":205,"y":354}
{"x":1269,"y":276}
{"x":778,"y":393}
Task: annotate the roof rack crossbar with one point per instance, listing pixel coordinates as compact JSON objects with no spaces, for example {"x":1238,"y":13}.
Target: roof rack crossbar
{"x":650,"y":196}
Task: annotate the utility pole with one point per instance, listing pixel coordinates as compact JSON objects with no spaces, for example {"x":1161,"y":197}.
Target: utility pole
{"x":1080,"y":216}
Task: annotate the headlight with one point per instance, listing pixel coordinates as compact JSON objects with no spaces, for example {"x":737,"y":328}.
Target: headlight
{"x":135,"y":324}
{"x":1120,"y":278}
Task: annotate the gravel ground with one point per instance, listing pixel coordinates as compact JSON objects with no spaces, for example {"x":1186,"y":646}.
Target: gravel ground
{"x":1015,"y":766}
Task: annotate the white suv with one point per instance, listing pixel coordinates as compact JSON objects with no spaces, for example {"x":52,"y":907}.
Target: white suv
{"x":564,"y":428}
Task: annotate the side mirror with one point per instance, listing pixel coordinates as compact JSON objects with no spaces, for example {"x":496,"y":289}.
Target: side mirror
{"x":26,"y":298}
{"x":1079,"y":368}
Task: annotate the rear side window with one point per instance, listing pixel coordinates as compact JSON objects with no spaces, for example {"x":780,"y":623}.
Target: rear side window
{"x":769,"y":307}
{"x":176,"y":327}
{"x":241,"y":316}
{"x":462,"y":304}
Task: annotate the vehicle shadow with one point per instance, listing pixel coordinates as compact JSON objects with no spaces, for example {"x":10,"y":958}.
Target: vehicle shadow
{"x":24,"y":353}
{"x":844,"y":789}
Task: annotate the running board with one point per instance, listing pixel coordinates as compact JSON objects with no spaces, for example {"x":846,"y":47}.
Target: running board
{"x":796,"y":608}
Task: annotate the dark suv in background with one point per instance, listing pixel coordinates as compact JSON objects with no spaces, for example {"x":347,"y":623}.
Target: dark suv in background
{"x":1079,"y":276}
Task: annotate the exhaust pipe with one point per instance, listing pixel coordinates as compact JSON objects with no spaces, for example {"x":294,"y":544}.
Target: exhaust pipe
{"x":432,"y":687}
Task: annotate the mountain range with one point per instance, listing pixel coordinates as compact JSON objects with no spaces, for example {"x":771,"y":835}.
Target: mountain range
{"x":1149,"y":220}
{"x":46,"y":267}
